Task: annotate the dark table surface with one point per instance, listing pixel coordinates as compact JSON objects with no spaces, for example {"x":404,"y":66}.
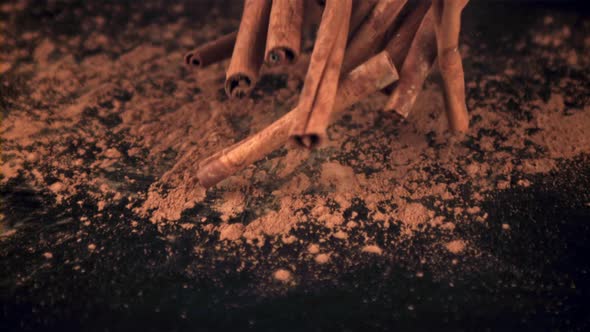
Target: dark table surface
{"x":139,"y":282}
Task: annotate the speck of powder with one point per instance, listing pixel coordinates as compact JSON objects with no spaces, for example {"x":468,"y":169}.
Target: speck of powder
{"x":313,"y":248}
{"x":48,"y":255}
{"x":351,"y":224}
{"x":372,"y":249}
{"x":112,"y":153}
{"x":414,"y":214}
{"x":506,"y":227}
{"x":473,"y":210}
{"x":448,"y":226}
{"x":231,"y":205}
{"x":185,"y":226}
{"x":282,"y":275}
{"x":8,"y":233}
{"x":455,"y":246}
{"x":289,"y":239}
{"x":56,"y":187}
{"x":341,"y":235}
{"x":231,"y":232}
{"x":92,"y":247}
{"x":322,"y":258}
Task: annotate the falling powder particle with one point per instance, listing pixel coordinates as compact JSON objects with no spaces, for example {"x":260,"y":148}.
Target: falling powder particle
{"x":506,"y":227}
{"x":282,"y":275}
{"x":48,"y":255}
{"x":92,"y":247}
{"x":455,"y":246}
{"x":8,"y":233}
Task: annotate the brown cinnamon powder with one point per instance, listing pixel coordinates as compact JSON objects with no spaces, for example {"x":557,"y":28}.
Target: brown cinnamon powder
{"x":408,"y":174}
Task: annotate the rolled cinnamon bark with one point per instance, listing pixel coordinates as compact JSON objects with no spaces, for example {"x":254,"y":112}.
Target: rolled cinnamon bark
{"x":321,"y":82}
{"x":212,"y":52}
{"x":401,"y":39}
{"x":248,"y":52}
{"x":417,"y":65}
{"x":283,"y":42}
{"x":369,"y":37}
{"x":447,"y":15}
{"x":360,"y":11}
{"x":364,"y":80}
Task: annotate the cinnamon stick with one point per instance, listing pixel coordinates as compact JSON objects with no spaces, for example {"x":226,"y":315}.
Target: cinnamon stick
{"x":447,"y":15}
{"x":360,"y":11}
{"x":283,"y":42}
{"x":417,"y":64}
{"x":321,"y":82}
{"x":401,"y":39}
{"x":364,"y":80}
{"x":248,"y":52}
{"x":212,"y":52}
{"x":369,"y":37}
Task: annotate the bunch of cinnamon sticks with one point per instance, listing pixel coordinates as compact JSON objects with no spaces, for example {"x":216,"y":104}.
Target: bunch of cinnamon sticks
{"x":361,"y":47}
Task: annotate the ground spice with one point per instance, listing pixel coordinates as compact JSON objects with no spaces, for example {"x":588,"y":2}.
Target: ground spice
{"x":132,"y":137}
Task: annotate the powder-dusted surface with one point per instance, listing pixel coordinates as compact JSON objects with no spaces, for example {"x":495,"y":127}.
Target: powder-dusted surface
{"x":102,"y":132}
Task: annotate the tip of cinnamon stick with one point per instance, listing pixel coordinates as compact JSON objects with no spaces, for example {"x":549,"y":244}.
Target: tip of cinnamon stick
{"x":192,"y":60}
{"x":211,"y":172}
{"x":308,"y":141}
{"x":238,"y":86}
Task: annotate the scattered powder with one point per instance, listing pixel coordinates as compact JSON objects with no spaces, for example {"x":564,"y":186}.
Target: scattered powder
{"x":231,"y":205}
{"x":141,"y":115}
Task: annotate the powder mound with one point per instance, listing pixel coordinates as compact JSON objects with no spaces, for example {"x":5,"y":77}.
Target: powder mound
{"x":413,"y":215}
{"x":339,"y":177}
{"x":231,"y":205}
